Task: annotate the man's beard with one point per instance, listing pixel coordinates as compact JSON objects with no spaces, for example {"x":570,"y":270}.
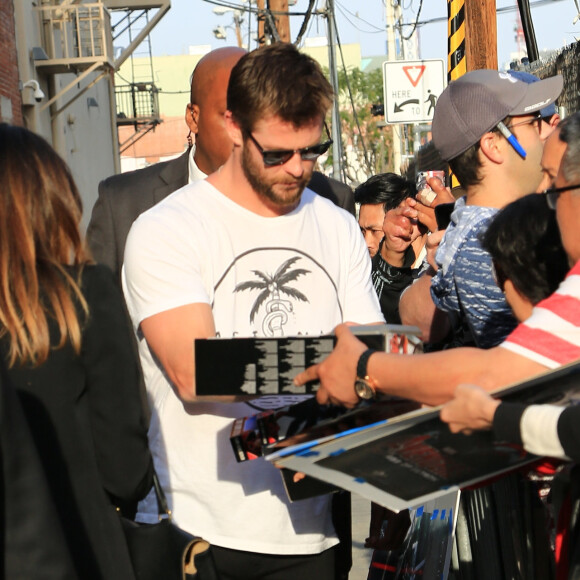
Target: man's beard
{"x":278,"y":193}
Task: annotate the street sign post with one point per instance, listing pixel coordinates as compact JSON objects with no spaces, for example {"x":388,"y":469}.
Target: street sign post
{"x":411,"y":89}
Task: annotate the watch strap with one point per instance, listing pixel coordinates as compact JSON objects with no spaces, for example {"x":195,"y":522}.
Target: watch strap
{"x":361,"y":367}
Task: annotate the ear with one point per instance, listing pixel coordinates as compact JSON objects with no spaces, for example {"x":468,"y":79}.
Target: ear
{"x":520,"y":304}
{"x":492,"y":147}
{"x":192,"y":117}
{"x":233,"y":129}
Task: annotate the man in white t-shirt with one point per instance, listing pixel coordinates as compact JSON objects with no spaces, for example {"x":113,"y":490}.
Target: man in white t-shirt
{"x":247,"y":252}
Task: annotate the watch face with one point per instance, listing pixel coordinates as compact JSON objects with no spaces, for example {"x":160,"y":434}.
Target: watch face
{"x":363,"y":389}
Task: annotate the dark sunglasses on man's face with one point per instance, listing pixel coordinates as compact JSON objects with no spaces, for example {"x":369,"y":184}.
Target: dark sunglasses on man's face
{"x":553,"y":193}
{"x":280,"y":156}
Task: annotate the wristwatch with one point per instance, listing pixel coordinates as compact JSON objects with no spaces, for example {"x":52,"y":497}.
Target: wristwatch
{"x":364,"y":386}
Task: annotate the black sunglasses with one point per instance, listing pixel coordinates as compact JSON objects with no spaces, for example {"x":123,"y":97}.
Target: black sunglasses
{"x":553,"y":193}
{"x":280,"y":156}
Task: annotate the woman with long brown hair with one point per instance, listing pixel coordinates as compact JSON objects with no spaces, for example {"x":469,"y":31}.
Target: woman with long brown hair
{"x":65,"y":340}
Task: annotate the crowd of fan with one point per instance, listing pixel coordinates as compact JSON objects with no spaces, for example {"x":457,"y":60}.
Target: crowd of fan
{"x":488,"y":272}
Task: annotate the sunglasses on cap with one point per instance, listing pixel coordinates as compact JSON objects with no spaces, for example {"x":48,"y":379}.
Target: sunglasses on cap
{"x":275,"y":157}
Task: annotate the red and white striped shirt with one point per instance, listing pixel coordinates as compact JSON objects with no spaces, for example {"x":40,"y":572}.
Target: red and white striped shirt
{"x":551,"y":335}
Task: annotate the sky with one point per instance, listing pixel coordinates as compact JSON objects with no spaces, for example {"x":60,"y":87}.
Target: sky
{"x":190,"y":22}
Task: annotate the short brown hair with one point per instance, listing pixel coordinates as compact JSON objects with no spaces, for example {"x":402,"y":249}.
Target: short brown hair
{"x":466,"y":166}
{"x":278,"y":80}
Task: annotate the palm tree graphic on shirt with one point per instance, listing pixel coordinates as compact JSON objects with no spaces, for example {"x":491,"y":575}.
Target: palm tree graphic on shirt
{"x":271,"y":288}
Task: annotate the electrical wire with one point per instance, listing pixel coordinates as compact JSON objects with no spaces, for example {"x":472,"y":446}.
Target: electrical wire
{"x":500,"y":10}
{"x":345,"y":11}
{"x":354,"y":113}
{"x":272,"y":25}
{"x":305,"y":22}
{"x":415,"y":24}
{"x":244,"y":8}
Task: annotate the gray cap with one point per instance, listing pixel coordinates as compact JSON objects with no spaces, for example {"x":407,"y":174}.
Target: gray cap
{"x":527,"y":77}
{"x":477,"y":101}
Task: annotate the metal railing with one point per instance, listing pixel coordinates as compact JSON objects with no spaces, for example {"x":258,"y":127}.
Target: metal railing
{"x":137,"y":103}
{"x":76,"y":34}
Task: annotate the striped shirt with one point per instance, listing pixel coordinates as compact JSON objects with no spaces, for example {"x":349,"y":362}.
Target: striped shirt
{"x":551,"y":335}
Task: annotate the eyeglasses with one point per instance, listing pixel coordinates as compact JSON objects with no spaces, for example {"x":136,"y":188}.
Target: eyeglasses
{"x":275,"y":157}
{"x":505,"y":130}
{"x":553,"y":193}
{"x":537,"y":118}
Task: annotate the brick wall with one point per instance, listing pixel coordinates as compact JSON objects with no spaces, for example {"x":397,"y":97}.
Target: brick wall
{"x":167,"y":139}
{"x":10,"y":98}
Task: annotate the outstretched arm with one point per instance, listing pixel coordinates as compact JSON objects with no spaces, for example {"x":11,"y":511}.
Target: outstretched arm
{"x":471,"y":409}
{"x":426,"y":378}
{"x":542,"y":429}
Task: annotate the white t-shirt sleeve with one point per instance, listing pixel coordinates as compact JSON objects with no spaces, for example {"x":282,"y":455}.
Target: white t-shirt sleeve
{"x":539,"y":431}
{"x":161,"y":269}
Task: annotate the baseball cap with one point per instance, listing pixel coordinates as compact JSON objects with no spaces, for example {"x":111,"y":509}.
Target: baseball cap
{"x":477,"y":101}
{"x":527,"y":77}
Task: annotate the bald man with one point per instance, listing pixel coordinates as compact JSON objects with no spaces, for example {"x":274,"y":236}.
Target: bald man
{"x":122,"y":198}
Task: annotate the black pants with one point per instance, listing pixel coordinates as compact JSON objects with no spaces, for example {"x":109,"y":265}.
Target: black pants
{"x":240,"y":565}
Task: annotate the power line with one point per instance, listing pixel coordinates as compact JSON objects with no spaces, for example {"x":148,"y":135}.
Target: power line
{"x":305,"y":22}
{"x":501,"y":10}
{"x":248,"y":8}
{"x":414,"y":25}
{"x":354,"y":112}
{"x":345,"y":11}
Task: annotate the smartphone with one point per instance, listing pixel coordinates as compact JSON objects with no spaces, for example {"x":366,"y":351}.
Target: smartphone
{"x":424,"y":191}
{"x":443,"y":214}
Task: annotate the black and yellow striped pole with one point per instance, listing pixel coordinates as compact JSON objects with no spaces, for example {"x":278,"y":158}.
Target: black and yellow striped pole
{"x":456,"y":60}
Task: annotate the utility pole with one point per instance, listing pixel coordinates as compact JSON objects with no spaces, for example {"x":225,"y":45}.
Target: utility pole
{"x":392,"y":55}
{"x":238,"y":25}
{"x":481,"y":34}
{"x":472,"y":36}
{"x":282,"y":20}
{"x":336,"y":133}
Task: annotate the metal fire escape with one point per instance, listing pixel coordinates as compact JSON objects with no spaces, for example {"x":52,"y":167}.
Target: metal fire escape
{"x":137,"y":96}
{"x":78,"y":37}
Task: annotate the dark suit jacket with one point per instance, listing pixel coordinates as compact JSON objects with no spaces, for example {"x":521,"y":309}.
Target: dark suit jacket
{"x":88,"y":430}
{"x":124,"y":197}
{"x":31,"y":535}
{"x":336,"y":191}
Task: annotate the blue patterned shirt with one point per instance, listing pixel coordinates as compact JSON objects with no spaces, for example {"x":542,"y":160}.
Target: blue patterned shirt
{"x":464,"y":282}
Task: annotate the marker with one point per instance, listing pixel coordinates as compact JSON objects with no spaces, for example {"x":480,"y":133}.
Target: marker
{"x":511,"y":139}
